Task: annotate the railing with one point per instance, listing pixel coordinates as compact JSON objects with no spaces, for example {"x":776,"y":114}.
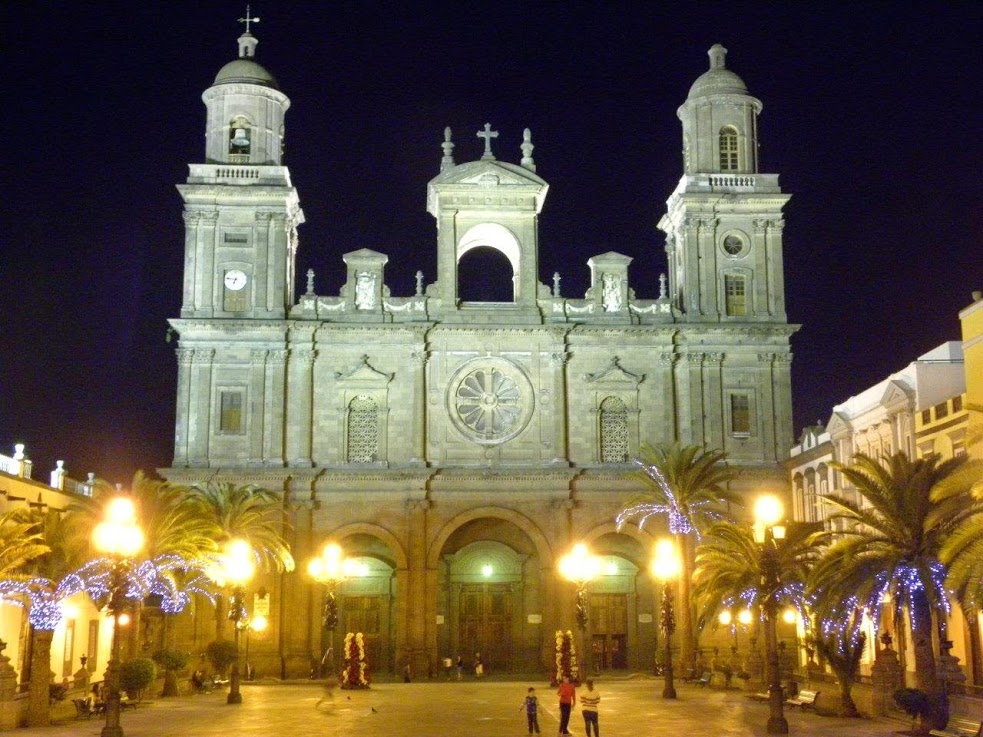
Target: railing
{"x":732,"y":180}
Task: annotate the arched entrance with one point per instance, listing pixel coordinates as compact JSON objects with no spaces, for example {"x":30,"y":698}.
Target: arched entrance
{"x":489,"y":597}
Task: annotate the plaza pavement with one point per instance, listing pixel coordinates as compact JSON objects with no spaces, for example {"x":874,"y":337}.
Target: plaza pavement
{"x":629,"y":708}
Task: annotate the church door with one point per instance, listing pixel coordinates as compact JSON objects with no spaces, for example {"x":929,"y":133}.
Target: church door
{"x":485,"y":623}
{"x":609,"y":630}
{"x":364,"y":614}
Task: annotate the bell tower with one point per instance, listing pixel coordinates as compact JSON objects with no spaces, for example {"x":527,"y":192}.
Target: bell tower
{"x":724,"y":221}
{"x":241,"y":211}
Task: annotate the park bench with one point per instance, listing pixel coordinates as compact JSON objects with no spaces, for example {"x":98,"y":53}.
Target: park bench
{"x":704,"y":680}
{"x":804,"y":698}
{"x":82,"y":708}
{"x":960,"y":727}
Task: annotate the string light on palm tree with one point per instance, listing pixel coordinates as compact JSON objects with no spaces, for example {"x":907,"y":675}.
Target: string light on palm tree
{"x":580,"y":567}
{"x":666,"y":567}
{"x":119,"y":537}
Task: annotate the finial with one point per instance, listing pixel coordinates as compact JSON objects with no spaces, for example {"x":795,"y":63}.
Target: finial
{"x":448,"y":161}
{"x":419,"y":279}
{"x":487,"y":134}
{"x":527,"y":147}
{"x":662,"y":286}
{"x":556,"y":284}
{"x":310,"y":281}
{"x":717,"y":54}
{"x":247,"y":41}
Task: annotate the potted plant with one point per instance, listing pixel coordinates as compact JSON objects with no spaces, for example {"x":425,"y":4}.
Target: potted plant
{"x":135,"y":675}
{"x":171,"y":661}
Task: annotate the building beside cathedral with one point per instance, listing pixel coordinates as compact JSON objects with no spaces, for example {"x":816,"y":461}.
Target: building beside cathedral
{"x":457,"y":449}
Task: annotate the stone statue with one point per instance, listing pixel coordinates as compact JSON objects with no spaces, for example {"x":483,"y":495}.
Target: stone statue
{"x":611,"y":293}
{"x":364,"y":291}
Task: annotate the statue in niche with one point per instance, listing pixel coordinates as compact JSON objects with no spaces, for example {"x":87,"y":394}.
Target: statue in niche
{"x":364,"y":291}
{"x":611,"y":293}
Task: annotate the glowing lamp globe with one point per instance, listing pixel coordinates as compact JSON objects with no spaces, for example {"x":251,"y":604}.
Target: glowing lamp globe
{"x":725,"y":617}
{"x":768,"y":510}
{"x":579,"y":565}
{"x":666,"y":564}
{"x":744,"y":616}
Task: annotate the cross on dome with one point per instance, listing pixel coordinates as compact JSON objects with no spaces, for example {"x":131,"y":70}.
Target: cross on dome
{"x":487,"y":134}
{"x":248,"y":19}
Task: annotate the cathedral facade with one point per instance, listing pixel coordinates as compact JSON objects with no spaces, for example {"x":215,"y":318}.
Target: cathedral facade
{"x":457,"y":449}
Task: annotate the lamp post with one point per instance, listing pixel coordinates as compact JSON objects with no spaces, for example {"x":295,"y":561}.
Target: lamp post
{"x":768,"y":530}
{"x":236,"y":566}
{"x":120,"y":538}
{"x":580,"y":567}
{"x":666,"y":566}
{"x":331,"y":568}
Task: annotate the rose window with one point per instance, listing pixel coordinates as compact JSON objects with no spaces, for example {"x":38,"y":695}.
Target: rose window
{"x":490,"y":402}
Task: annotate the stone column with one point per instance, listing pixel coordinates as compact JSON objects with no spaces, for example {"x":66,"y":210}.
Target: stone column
{"x":690,"y":254}
{"x":755,"y":667}
{"x":766,"y":408}
{"x":199,"y":429}
{"x":669,"y":397}
{"x":708,"y":266}
{"x":257,"y":405}
{"x":182,"y":412}
{"x":776,"y":277}
{"x":713,"y":408}
{"x":558,"y":363}
{"x":275,"y":412}
{"x":419,"y":449}
{"x":300,"y":403}
{"x":886,"y":677}
{"x":207,"y":244}
{"x":416,"y":652}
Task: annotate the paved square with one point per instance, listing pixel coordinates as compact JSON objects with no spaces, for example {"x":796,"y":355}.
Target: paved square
{"x":442,"y":709}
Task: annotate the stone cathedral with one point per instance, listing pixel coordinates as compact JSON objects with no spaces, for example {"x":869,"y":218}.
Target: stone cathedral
{"x":457,"y":449}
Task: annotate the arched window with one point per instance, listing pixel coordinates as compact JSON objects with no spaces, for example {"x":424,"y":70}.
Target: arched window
{"x":614,"y":431}
{"x":728,"y":148}
{"x":363,"y":430}
{"x":240,"y":140}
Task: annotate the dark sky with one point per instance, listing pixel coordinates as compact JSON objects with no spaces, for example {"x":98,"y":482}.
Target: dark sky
{"x":871,"y":117}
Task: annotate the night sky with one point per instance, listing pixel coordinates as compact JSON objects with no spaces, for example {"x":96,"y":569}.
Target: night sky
{"x":871,"y":117}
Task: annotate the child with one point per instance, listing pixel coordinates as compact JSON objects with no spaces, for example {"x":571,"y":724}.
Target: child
{"x":588,"y":706}
{"x":532,"y":710}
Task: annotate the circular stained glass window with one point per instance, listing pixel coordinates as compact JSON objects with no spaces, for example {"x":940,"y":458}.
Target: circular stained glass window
{"x":490,"y":401}
{"x":733,"y":245}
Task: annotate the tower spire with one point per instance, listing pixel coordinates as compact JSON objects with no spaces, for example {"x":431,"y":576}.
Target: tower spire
{"x":527,"y":147}
{"x":448,"y":146}
{"x":717,"y":54}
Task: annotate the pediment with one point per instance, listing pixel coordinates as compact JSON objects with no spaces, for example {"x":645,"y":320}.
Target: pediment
{"x":482,"y":174}
{"x":613,"y":374}
{"x":364,"y":254}
{"x":838,"y":424}
{"x":895,"y":395}
{"x":363,"y":373}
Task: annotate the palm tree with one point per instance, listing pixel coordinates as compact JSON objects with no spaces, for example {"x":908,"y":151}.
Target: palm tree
{"x":178,"y":541}
{"x":688,"y":484}
{"x":20,"y":542}
{"x":842,"y":649}
{"x":43,"y":580}
{"x":731,"y":566}
{"x":891,"y":547}
{"x":248,"y":512}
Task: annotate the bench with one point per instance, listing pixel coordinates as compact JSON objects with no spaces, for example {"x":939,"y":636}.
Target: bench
{"x":82,"y":708}
{"x":804,"y":698}
{"x":704,"y":680}
{"x":960,"y":727}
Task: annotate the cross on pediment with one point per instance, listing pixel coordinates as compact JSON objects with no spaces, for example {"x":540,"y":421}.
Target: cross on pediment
{"x":487,"y":134}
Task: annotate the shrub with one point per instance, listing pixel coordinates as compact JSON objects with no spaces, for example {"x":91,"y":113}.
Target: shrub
{"x":171,"y":660}
{"x":221,"y":654}
{"x":135,"y":675}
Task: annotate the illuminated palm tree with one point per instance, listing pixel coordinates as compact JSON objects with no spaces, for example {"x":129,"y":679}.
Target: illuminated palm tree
{"x":248,"y":512}
{"x":20,"y":543}
{"x":892,"y":544}
{"x":688,"y":485}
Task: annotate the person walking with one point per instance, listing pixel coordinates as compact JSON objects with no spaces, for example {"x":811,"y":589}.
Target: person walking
{"x":460,"y":668}
{"x":568,"y":699}
{"x":479,"y":666}
{"x":589,"y":700}
{"x":531,"y":706}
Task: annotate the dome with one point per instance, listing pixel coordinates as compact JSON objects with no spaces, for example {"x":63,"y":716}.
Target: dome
{"x":718,"y":80}
{"x":245,"y":71}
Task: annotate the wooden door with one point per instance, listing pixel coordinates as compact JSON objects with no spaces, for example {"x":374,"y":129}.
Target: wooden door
{"x":609,"y":630}
{"x":485,"y":624}
{"x":364,"y":614}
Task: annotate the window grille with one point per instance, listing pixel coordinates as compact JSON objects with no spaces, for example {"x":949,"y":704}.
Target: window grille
{"x":363,"y":430}
{"x":614,"y":431}
{"x":728,"y":148}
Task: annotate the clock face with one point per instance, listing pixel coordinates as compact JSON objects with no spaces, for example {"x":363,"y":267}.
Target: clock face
{"x":235,"y":280}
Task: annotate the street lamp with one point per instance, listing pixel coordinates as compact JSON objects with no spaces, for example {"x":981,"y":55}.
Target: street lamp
{"x":666,"y":566}
{"x":120,"y":538}
{"x":236,"y":566}
{"x":768,"y":530}
{"x":331,"y":568}
{"x":580,"y":567}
